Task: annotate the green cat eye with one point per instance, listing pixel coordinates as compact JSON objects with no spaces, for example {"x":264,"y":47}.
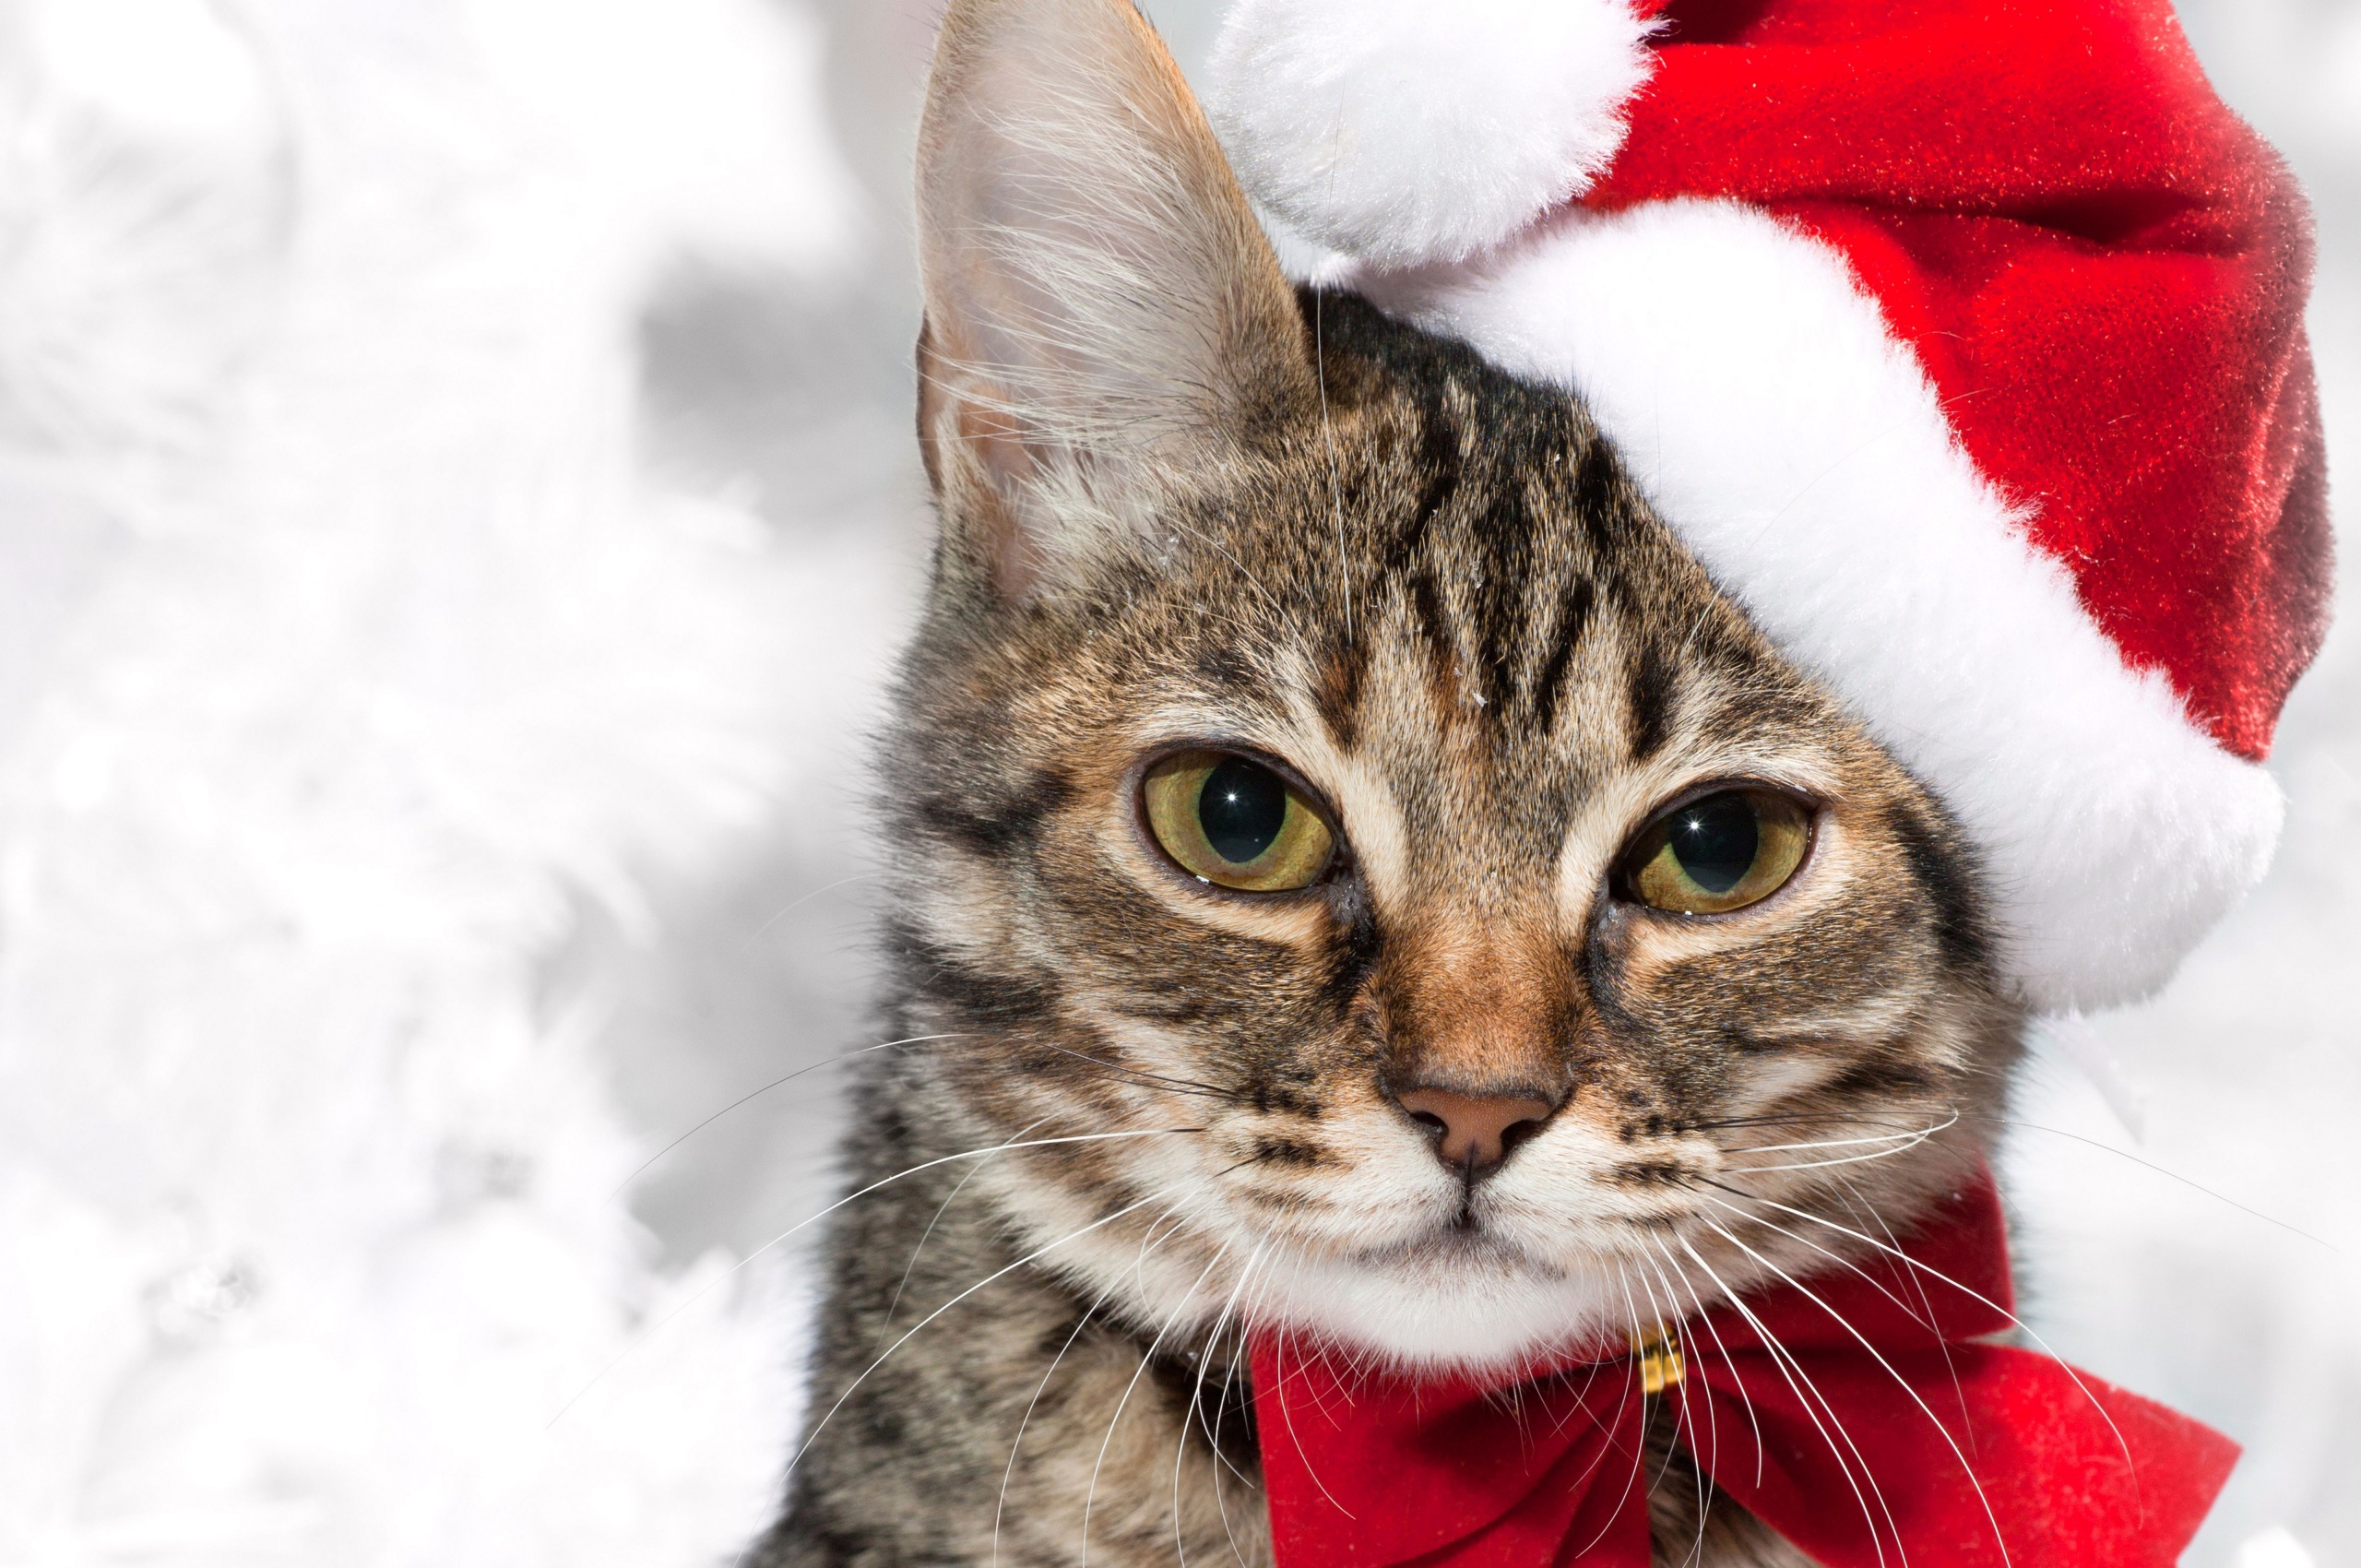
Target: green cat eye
{"x":1717,"y":853}
{"x":1236,"y":823}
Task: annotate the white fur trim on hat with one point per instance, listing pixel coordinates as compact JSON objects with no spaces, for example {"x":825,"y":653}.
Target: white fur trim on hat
{"x":1800,"y":452}
{"x":1407,"y":131}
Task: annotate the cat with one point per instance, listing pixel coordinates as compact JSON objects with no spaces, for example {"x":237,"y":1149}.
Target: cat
{"x":1352,"y":868}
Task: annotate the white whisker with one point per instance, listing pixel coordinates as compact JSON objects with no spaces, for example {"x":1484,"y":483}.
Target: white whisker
{"x":1229,"y":1381}
{"x":1745,"y":1401}
{"x":1937,"y":1275}
{"x":1639,"y":1453}
{"x":1278,"y":1397}
{"x":1713,"y":1425}
{"x":1827,"y":1164}
{"x":1664,"y":1320}
{"x":1914,"y":1134}
{"x":1790,"y":1371}
{"x":940,"y":1209}
{"x":1189,"y":1418}
{"x":1853,"y":1204}
{"x":1009,"y":1473}
{"x":653,"y":1329}
{"x":1090,"y":1493}
{"x":997,"y":1274}
{"x":624,"y":1185}
{"x":1901,"y":1381}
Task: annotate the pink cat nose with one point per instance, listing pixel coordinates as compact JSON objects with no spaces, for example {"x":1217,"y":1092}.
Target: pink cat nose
{"x":1474,"y":1133}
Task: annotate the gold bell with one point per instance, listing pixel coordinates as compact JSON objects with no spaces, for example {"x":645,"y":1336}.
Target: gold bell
{"x":1658,"y":1354}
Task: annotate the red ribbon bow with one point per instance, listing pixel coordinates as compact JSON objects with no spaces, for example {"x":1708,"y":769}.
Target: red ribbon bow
{"x":1856,"y":1413}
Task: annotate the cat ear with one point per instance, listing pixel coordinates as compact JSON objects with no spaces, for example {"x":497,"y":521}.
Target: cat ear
{"x":1106,"y":325}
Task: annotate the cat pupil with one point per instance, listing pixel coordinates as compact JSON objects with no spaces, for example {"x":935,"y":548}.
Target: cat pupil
{"x":1242,"y":809}
{"x":1716,"y":840}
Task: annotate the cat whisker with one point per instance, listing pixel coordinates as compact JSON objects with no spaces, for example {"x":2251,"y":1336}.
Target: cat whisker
{"x":1929,"y":1320}
{"x":756,"y":1094}
{"x":1898,"y":1148}
{"x":1641,"y":1333}
{"x":1278,"y":1398}
{"x":1917,"y":1269}
{"x":940,"y":1209}
{"x":1241,"y":1346}
{"x":789,"y":908}
{"x":1638,"y":1453}
{"x":1009,"y":1472}
{"x":1158,"y":1080}
{"x":644,"y":1335}
{"x":1001,"y":1508}
{"x":1917,"y":1135}
{"x":1697,"y":1296}
{"x":1221,"y":1503}
{"x":1745,"y":1398}
{"x":1000,"y":1273}
{"x":1256,"y":1158}
{"x":1904,"y":1383}
{"x":1590,"y":1376}
{"x":1713,"y":1444}
{"x":1192,"y":1416}
{"x":1800,"y":1118}
{"x":1090,"y":1493}
{"x":1791,"y":1374}
{"x":1855,"y":1202}
{"x":1238,"y":1356}
{"x":2174,"y":1176}
{"x":984,"y":1153}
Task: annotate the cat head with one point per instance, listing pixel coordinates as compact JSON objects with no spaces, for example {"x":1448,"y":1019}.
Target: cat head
{"x":1376,"y":877}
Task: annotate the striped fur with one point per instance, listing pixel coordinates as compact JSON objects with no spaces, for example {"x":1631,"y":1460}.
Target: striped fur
{"x":1138,"y":1115}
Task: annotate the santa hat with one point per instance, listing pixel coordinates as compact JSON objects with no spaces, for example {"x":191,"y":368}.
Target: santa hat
{"x":1961,"y":342}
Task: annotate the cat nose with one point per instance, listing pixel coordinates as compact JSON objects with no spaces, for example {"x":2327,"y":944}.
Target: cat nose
{"x":1475,"y":1134}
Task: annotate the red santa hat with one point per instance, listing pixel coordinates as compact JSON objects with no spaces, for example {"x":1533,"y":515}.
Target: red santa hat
{"x":1961,"y":341}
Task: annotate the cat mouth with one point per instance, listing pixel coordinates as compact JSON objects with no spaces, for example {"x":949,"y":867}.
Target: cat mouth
{"x":1463,"y":1241}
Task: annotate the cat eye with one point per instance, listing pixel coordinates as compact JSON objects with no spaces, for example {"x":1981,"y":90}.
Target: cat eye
{"x":1235,"y":823}
{"x":1716,"y":854}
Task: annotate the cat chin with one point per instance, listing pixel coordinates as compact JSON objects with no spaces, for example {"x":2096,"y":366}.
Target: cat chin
{"x":1451,"y":1308}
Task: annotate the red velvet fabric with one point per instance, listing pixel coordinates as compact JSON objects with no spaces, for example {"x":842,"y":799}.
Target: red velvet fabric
{"x":1880,"y":1430}
{"x":2102,"y":269}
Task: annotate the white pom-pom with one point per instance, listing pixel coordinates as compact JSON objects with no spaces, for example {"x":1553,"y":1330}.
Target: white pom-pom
{"x":1407,"y":131}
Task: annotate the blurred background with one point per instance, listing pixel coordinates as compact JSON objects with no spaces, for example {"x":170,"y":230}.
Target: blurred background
{"x":457,"y":511}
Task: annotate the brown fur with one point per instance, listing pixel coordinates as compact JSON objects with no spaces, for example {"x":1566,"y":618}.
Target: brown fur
{"x":1436,"y":598}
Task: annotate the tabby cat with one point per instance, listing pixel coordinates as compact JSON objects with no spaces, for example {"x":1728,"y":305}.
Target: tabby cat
{"x":1352,"y":869}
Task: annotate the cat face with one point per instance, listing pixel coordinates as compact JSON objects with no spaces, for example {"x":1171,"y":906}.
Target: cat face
{"x":1384,"y":883}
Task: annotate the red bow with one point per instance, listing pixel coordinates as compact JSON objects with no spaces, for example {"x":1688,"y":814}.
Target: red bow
{"x":1856,"y":1413}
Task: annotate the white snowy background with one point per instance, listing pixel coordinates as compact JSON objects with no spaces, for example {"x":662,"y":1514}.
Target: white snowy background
{"x":456,"y":505}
